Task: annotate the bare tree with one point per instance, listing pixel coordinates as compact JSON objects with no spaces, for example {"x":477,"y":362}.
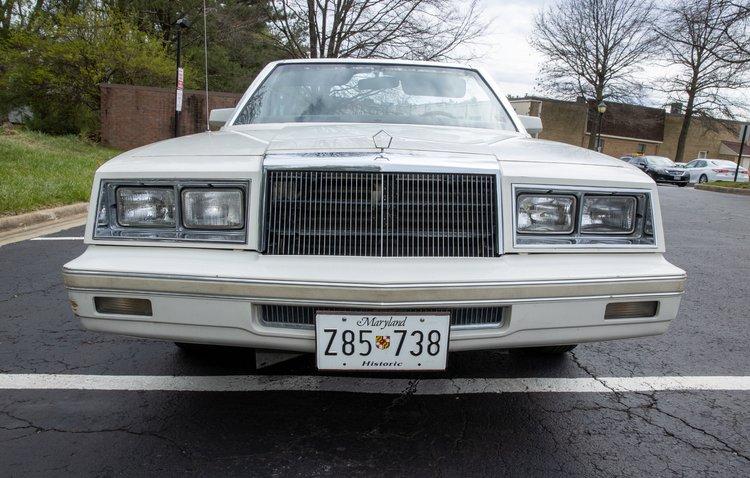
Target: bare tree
{"x":414,"y":29}
{"x":594,"y":48}
{"x":698,"y":44}
{"x":735,"y":23}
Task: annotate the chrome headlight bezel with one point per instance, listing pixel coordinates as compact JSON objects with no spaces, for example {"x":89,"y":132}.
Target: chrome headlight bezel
{"x":638,"y":237}
{"x":107,"y":227}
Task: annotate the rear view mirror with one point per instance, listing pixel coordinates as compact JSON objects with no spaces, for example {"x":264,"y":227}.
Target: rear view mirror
{"x":377,"y":83}
{"x":424,"y":83}
{"x":218,"y":118}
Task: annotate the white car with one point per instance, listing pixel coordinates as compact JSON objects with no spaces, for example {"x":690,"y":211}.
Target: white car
{"x":705,"y":170}
{"x":378,"y":214}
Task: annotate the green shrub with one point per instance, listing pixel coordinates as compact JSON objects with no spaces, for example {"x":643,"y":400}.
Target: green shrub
{"x":56,"y":70}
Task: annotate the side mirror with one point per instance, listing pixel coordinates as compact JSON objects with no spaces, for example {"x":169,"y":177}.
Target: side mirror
{"x":218,"y":118}
{"x":532,"y":124}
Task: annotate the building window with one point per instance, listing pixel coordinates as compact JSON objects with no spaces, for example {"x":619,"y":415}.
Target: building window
{"x":702,"y":154}
{"x":641,"y":148}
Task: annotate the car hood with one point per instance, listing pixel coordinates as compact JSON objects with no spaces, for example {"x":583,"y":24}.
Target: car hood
{"x":257,"y":140}
{"x":237,"y":143}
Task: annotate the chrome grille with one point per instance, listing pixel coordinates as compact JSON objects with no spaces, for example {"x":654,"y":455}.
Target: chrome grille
{"x":304,"y":316}
{"x":345,"y":213}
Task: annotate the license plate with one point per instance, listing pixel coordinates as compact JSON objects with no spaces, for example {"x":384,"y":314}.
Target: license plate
{"x":377,"y":341}
{"x":677,"y":178}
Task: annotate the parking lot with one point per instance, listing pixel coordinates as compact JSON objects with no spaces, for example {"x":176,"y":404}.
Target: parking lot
{"x":299,"y":423}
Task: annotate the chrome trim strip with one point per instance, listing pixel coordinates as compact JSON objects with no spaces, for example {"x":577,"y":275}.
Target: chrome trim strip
{"x":437,"y":285}
{"x":377,"y":305}
{"x":400,"y":161}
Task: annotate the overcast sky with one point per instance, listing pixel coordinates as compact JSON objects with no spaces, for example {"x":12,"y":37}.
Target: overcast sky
{"x":515,"y":65}
{"x":510,"y":58}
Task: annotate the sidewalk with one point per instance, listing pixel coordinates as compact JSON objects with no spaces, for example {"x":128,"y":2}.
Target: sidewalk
{"x":45,"y":221}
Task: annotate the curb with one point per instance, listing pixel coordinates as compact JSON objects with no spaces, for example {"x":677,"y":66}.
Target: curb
{"x":25,"y":221}
{"x":720,"y":189}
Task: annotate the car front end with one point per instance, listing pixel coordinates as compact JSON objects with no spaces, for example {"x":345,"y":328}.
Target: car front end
{"x":676,"y":176}
{"x":373,"y":245}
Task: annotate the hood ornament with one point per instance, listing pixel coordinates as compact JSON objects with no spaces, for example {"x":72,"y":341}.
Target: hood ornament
{"x":382,"y":140}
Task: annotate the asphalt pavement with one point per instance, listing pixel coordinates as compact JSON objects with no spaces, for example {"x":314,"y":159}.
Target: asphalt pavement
{"x":367,"y":431}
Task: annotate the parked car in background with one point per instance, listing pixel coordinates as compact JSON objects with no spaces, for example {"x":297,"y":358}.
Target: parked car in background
{"x":627,"y":159}
{"x":705,"y":170}
{"x":662,"y":170}
{"x":376,"y":213}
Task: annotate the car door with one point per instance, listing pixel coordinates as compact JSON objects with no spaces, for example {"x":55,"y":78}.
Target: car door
{"x":702,"y":169}
{"x":690,"y":168}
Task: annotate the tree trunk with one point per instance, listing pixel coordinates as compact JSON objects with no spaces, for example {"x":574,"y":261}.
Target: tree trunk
{"x":594,"y":131}
{"x":685,"y":129}
{"x":599,"y":93}
{"x":312,"y":30}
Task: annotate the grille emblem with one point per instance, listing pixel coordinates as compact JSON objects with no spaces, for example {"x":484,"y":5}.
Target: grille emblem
{"x":382,"y":139}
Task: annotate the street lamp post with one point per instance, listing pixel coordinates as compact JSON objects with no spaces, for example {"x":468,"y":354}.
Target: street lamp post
{"x":601,"y":108}
{"x":179,"y":76}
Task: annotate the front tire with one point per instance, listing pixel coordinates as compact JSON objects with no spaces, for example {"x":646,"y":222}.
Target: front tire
{"x":703,"y":179}
{"x":682,"y":185}
{"x":551,"y":349}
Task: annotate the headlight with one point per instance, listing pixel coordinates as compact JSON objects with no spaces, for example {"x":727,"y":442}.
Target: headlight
{"x":212,"y":208}
{"x":608,"y":215}
{"x":145,"y":207}
{"x":582,"y":217}
{"x":172,"y":210}
{"x":545,"y":214}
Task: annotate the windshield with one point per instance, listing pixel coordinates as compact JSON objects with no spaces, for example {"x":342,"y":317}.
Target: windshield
{"x":373,"y":93}
{"x":659,"y":161}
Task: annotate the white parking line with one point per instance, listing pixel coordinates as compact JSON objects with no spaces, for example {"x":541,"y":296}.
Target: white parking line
{"x":58,"y":238}
{"x":267,"y":383}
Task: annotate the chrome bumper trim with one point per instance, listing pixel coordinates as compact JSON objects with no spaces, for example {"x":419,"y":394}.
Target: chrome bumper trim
{"x":372,"y":294}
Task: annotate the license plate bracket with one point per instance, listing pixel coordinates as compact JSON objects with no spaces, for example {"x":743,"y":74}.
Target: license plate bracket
{"x":382,"y":341}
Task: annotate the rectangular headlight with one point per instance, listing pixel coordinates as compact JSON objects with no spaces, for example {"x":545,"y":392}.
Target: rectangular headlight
{"x":545,"y":214}
{"x":209,"y":208}
{"x":145,"y":207}
{"x":608,"y":215}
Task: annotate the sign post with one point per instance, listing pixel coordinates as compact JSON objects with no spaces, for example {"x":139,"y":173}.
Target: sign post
{"x":743,"y":135}
{"x":178,"y":100}
{"x":181,"y":23}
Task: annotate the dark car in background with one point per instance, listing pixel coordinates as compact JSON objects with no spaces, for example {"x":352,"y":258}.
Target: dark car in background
{"x":662,"y":170}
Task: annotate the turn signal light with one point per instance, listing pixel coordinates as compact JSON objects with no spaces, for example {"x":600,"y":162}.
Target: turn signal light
{"x":631,"y":310}
{"x":122,"y":306}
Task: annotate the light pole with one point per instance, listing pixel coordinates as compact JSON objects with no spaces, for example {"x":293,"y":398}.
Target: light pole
{"x":181,"y":23}
{"x":601,"y":108}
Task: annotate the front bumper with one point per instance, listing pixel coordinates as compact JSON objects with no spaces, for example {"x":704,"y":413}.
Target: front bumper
{"x":212,"y":296}
{"x":670,"y":178}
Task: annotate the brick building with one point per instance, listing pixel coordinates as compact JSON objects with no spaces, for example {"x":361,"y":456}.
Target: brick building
{"x":633,"y":129}
{"x":132,"y":116}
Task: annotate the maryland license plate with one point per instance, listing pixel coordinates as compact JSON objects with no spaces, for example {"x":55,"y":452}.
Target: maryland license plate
{"x":376,"y":341}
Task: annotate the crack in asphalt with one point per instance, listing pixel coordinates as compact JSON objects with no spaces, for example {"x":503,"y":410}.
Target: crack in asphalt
{"x":29,"y":425}
{"x":630,"y":410}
